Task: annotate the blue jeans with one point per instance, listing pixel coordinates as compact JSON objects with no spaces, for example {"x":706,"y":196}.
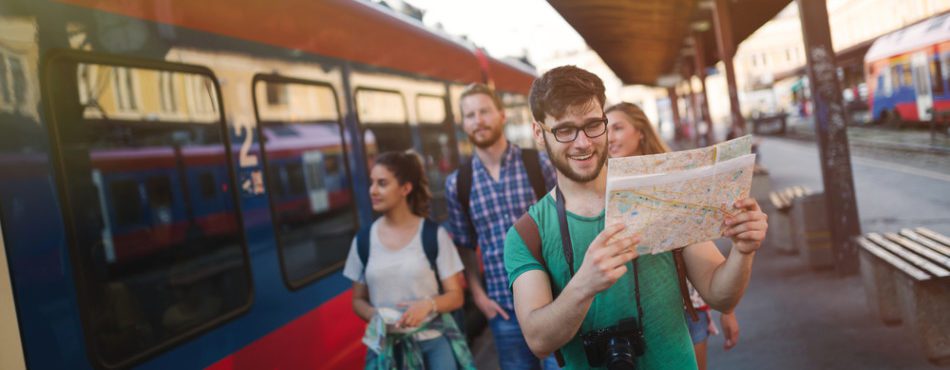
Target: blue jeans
{"x":513,"y":351}
{"x":436,"y":354}
{"x":698,"y":330}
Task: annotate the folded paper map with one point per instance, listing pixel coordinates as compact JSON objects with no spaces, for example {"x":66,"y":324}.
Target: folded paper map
{"x":680,"y":198}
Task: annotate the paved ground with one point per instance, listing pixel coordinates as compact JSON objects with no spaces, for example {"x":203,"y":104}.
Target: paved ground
{"x":794,"y":318}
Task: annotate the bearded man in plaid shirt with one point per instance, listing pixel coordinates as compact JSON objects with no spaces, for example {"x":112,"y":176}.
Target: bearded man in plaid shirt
{"x":500,"y":193}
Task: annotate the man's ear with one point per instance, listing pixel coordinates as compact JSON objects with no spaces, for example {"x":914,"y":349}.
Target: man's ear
{"x":538,"y":133}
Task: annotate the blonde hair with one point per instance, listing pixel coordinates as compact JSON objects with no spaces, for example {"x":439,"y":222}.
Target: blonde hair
{"x":651,"y":144}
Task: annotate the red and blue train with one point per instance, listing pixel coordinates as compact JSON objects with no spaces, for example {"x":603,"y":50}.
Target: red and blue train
{"x":908,"y":70}
{"x":181,"y":181}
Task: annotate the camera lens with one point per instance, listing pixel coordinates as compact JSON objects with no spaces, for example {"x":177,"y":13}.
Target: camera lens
{"x":620,"y":354}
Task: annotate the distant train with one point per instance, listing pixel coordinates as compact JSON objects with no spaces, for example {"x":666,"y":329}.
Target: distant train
{"x":181,"y":181}
{"x":907,"y":72}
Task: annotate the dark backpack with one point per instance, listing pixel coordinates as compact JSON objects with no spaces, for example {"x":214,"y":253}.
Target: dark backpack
{"x":530,"y":158}
{"x":430,"y":245}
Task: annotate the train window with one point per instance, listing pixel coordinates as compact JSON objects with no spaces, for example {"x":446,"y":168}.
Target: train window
{"x":311,"y":189}
{"x":383,"y":118}
{"x":436,"y":149}
{"x":157,"y":264}
{"x":936,"y":74}
{"x":431,"y":109}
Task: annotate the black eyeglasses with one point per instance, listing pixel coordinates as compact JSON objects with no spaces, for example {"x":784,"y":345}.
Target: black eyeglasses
{"x":592,"y":129}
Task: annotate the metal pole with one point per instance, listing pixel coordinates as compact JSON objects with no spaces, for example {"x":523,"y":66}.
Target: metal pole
{"x":725,"y":41}
{"x":700,"y":60}
{"x":674,"y":107}
{"x":832,"y":134}
{"x":691,"y":105}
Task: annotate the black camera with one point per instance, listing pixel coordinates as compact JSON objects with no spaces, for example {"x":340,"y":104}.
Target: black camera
{"x":616,"y":347}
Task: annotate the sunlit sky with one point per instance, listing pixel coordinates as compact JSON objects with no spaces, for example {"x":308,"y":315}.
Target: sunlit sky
{"x":503,"y":27}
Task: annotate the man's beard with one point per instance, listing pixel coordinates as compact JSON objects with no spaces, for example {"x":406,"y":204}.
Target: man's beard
{"x":562,"y":164}
{"x":487,"y":142}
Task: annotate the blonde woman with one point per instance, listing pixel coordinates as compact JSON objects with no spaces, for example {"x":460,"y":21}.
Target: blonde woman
{"x":630,"y":133}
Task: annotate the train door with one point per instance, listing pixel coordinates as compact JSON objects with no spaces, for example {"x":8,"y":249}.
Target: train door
{"x":11,"y":352}
{"x":922,"y":85}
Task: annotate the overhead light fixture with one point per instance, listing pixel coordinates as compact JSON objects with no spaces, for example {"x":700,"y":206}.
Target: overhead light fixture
{"x":700,"y":26}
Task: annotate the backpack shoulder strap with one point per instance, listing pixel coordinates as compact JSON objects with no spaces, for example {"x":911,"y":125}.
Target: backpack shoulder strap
{"x":362,"y":244}
{"x":463,"y":192}
{"x":527,"y":229}
{"x":430,"y":244}
{"x":531,"y":158}
{"x":680,"y":264}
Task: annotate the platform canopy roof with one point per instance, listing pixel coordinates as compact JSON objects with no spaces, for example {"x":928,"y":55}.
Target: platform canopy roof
{"x":644,"y":40}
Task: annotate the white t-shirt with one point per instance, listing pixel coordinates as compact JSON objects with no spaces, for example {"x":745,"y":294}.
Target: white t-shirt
{"x":395,"y":276}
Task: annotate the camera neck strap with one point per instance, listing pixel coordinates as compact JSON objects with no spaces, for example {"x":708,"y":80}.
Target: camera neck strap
{"x":568,"y":248}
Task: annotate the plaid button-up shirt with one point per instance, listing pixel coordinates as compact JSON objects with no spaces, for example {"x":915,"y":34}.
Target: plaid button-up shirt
{"x":494,"y":207}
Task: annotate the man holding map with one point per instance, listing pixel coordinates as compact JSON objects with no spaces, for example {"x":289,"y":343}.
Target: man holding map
{"x":593,"y":293}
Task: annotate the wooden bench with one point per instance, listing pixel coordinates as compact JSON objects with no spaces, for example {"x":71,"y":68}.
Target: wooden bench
{"x":779,"y":228}
{"x":906,"y":277}
{"x":769,"y":121}
{"x":782,"y":199}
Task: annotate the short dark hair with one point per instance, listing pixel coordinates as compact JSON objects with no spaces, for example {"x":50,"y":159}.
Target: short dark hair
{"x":407,"y":167}
{"x":564,"y":87}
{"x":480,"y":88}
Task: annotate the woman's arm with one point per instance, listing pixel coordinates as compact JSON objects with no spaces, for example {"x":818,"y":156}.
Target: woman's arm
{"x":361,"y":304}
{"x":452,"y":297}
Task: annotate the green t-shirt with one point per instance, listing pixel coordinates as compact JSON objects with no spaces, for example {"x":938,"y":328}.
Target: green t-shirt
{"x":668,"y":345}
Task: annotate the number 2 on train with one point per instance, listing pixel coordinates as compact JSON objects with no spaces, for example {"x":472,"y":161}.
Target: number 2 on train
{"x":245,"y":159}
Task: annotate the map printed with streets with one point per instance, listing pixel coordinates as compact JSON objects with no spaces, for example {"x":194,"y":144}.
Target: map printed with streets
{"x":680,"y":198}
